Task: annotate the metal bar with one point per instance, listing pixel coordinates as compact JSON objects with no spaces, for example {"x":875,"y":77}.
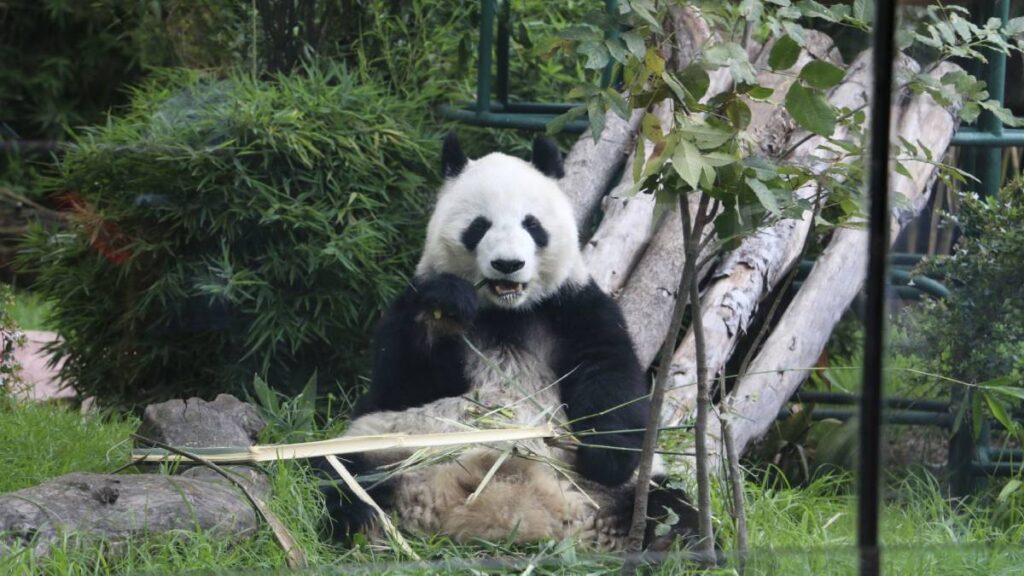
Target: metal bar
{"x":970,"y":136}
{"x":504,"y":36}
{"x":612,"y":7}
{"x":990,"y":166}
{"x":892,"y":417}
{"x":484,"y":53}
{"x":922,"y":283}
{"x":884,"y":50}
{"x":506,"y":120}
{"x":849,"y":399}
{"x":997,"y":468}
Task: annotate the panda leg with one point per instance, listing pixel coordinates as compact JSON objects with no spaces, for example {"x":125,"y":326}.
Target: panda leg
{"x":347,"y":514}
{"x":663,"y":502}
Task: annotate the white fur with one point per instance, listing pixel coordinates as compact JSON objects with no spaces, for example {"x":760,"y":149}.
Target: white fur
{"x":504,"y":190}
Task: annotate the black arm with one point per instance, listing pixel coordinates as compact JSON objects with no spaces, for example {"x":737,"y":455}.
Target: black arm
{"x":418,"y":357}
{"x":603,"y":385}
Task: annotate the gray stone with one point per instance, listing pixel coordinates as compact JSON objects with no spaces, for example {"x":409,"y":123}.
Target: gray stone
{"x":196,"y":423}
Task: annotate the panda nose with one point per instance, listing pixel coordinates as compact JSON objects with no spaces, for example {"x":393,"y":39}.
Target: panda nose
{"x":507,"y":266}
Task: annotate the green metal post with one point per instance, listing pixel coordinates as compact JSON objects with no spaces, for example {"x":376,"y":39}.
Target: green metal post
{"x":990,"y":160}
{"x":612,"y":7}
{"x":504,"y":38}
{"x":961,"y":448}
{"x":483,"y":73}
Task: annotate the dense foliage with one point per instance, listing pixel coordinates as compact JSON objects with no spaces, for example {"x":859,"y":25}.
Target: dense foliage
{"x":230,"y":227}
{"x":977,"y":333}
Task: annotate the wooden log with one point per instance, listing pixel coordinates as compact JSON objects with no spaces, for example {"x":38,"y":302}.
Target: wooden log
{"x":120,"y":507}
{"x":611,"y":252}
{"x":752,"y":271}
{"x":590,"y":166}
{"x":649,"y":293}
{"x":838,"y":274}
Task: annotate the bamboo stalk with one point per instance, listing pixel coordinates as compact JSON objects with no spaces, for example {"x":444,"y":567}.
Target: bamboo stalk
{"x":344,"y":445}
{"x":385,"y":520}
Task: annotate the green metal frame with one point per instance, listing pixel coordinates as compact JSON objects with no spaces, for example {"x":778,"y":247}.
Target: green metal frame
{"x":504,"y":113}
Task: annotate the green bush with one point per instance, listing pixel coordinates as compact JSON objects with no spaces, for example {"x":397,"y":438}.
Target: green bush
{"x":979,"y":329}
{"x":231,"y":227}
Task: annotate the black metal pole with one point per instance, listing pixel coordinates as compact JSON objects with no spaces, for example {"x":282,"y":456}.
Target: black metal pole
{"x":874,"y":323}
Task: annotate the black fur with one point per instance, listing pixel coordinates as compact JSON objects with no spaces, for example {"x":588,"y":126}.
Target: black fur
{"x":547,"y":158}
{"x":536,"y":230}
{"x":347,"y":513}
{"x":603,"y":385}
{"x":474,"y":233}
{"x":453,"y":159}
{"x":410,"y":366}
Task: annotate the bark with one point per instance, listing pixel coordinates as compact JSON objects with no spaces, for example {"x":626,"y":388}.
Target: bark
{"x":591,"y":166}
{"x":838,"y":274}
{"x":120,"y":507}
{"x":626,"y":227}
{"x":751,"y":272}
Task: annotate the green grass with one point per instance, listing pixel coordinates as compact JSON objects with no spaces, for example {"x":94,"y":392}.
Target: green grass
{"x":30,"y":312}
{"x":793,"y":530}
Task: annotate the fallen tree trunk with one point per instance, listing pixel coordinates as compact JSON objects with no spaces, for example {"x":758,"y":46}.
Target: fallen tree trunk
{"x":117,"y":508}
{"x":838,"y":274}
{"x":751,"y":272}
{"x":590,"y":166}
{"x":626,"y":227}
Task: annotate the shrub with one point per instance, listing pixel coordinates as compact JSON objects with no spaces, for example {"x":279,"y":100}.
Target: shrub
{"x":10,"y":338}
{"x":232,"y":227}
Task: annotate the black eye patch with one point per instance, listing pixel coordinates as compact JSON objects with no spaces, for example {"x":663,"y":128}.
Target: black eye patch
{"x":474,"y":233}
{"x":537,"y":232}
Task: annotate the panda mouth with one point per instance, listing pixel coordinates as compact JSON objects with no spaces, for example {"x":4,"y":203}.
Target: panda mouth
{"x":507,"y":291}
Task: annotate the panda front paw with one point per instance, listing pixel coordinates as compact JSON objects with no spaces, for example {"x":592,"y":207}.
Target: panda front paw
{"x":447,"y":302}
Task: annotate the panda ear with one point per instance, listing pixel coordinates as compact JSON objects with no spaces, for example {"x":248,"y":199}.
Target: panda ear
{"x":453,"y":159}
{"x":547,"y":158}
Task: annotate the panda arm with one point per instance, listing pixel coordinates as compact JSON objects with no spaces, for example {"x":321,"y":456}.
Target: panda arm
{"x":603,"y":385}
{"x":417,"y":360}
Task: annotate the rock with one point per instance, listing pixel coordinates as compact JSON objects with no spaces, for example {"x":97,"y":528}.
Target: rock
{"x":120,"y":507}
{"x":196,"y":423}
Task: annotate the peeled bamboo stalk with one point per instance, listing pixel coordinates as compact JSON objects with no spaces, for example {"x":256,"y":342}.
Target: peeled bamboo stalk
{"x":346,"y":445}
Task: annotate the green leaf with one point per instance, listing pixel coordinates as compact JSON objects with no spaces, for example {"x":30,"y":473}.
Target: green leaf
{"x":596,"y":53}
{"x":687,"y":163}
{"x":654,"y":63}
{"x":810,"y":110}
{"x":1011,"y":486}
{"x":902,"y":170}
{"x":704,"y":135}
{"x":696,"y":80}
{"x":760,"y":93}
{"x":738,"y":113}
{"x":998,"y":408}
{"x":634,"y":43}
{"x":821,"y":74}
{"x":784,"y":54}
{"x":764,"y":196}
{"x":559,"y":122}
{"x":617,"y":49}
{"x":1002,"y":113}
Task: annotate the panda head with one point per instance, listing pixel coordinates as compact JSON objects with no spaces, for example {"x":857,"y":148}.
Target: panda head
{"x":504,"y":222}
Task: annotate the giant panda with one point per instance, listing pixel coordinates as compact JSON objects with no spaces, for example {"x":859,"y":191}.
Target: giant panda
{"x":502,"y":326}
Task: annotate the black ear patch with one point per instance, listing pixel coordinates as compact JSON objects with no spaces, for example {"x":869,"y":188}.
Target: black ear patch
{"x":474,"y":233}
{"x":547,"y":158}
{"x":536,"y":230}
{"x":453,"y":159}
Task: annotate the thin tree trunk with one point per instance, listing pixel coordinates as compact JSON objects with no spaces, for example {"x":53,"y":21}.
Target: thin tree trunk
{"x":635,"y":540}
{"x":739,"y":513}
{"x":691,"y":243}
